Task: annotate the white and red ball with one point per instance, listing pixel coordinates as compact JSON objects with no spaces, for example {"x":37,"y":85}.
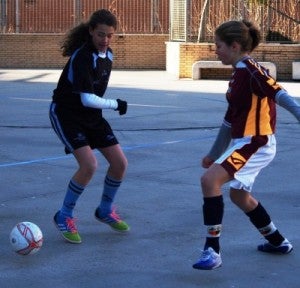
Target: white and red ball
{"x":26,"y":238}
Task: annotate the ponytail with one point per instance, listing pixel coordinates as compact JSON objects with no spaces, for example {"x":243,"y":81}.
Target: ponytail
{"x":254,"y":34}
{"x":242,"y":32}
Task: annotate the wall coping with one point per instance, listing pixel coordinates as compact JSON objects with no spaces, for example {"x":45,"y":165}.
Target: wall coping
{"x":62,"y":34}
{"x":211,"y":43}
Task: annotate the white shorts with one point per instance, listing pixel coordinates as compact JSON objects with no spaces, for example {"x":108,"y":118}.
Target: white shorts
{"x":246,"y":156}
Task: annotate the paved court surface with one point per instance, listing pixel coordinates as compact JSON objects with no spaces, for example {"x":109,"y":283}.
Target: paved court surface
{"x":169,"y":126}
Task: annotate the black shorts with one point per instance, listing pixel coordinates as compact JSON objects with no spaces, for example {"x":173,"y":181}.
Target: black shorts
{"x":76,"y":131}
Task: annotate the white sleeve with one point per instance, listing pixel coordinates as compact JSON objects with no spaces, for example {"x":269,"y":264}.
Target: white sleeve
{"x":94,"y":101}
{"x":286,"y":101}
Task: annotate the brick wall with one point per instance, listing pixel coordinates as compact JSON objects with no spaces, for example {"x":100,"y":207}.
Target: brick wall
{"x":43,"y":51}
{"x":140,"y":51}
{"x":137,"y":52}
{"x":281,"y":54}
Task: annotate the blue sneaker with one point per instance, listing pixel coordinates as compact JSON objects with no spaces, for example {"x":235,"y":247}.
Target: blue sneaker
{"x":209,"y":260}
{"x":284,"y":248}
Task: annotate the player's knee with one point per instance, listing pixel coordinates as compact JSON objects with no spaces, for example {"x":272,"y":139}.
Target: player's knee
{"x":118,"y":169}
{"x":206,"y":182}
{"x":121,"y":168}
{"x":88,"y":169}
{"x":124,"y":164}
{"x":211,"y":186}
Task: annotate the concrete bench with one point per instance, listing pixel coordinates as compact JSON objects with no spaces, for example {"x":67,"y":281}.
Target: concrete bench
{"x":296,"y":69}
{"x":197,"y":66}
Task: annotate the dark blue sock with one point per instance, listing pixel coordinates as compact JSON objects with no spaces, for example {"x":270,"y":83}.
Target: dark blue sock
{"x":73,"y":193}
{"x":110,"y":189}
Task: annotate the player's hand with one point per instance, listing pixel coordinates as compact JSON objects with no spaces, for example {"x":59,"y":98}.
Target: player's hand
{"x":207,"y":162}
{"x":122,"y":107}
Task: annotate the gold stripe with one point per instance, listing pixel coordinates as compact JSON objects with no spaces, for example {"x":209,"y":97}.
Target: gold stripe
{"x":236,"y":160}
{"x":264,"y":118}
{"x":265,"y":126}
{"x":251,"y":119}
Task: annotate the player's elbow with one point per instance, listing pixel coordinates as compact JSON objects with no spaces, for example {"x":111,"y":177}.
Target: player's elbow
{"x":84,"y":99}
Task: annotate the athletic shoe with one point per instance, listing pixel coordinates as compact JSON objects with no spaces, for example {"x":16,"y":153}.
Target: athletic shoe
{"x":209,"y":260}
{"x":113,"y":220}
{"x":67,"y":227}
{"x":284,"y":248}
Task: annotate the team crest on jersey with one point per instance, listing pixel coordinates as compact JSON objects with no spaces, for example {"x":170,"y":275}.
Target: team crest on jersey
{"x":104,"y":74}
{"x":80,"y":137}
{"x":110,"y":137}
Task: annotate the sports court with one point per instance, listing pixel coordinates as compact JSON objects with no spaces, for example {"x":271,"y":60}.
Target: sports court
{"x":169,"y":126}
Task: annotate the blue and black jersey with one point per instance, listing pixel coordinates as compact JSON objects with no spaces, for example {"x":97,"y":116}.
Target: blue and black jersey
{"x":86,"y":71}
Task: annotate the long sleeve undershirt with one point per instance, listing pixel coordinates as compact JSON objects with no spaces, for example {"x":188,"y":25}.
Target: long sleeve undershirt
{"x":286,"y":101}
{"x":93,"y":101}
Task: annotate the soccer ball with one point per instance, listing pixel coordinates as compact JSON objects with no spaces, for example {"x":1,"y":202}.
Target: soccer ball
{"x":26,"y":238}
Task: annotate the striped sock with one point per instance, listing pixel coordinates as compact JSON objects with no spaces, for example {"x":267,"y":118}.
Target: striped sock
{"x":73,"y":193}
{"x":262,"y":221}
{"x":110,"y":189}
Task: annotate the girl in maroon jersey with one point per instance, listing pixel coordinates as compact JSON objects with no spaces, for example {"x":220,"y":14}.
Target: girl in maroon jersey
{"x":249,"y":127}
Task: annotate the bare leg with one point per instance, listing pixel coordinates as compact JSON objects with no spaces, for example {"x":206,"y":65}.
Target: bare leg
{"x":87,"y":165}
{"x":243,"y":199}
{"x":117,"y":161}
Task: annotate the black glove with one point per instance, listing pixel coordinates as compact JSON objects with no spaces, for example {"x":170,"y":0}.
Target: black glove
{"x":122,"y":107}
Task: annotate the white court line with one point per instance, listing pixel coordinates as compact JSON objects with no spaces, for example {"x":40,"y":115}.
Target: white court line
{"x":136,"y":105}
{"x":125,"y":148}
{"x":30,"y":99}
{"x":154,"y":106}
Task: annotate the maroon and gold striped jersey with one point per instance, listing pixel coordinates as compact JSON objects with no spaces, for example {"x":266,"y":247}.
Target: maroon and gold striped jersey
{"x":251,"y":98}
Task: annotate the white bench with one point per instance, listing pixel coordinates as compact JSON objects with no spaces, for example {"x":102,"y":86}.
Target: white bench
{"x":296,"y":69}
{"x":197,"y":66}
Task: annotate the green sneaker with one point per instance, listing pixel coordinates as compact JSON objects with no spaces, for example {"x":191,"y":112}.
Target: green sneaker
{"x":67,"y":227}
{"x":113,"y":220}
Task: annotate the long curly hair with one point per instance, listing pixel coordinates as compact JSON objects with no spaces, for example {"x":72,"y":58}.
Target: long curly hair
{"x":77,"y":36}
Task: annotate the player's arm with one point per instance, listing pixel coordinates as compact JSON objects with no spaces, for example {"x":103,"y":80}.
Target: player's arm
{"x":93,"y":101}
{"x":286,"y":101}
{"x":220,"y":145}
{"x":222,"y":141}
{"x":263,"y":85}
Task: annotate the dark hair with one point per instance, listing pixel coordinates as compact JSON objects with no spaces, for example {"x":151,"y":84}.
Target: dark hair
{"x":243,"y":32}
{"x":80,"y":34}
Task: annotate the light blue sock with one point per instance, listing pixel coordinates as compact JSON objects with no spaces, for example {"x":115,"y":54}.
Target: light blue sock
{"x":110,"y":189}
{"x":73,"y":193}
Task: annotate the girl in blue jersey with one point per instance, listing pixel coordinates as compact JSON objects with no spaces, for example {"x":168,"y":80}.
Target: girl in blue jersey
{"x":76,"y":117}
{"x":249,"y":124}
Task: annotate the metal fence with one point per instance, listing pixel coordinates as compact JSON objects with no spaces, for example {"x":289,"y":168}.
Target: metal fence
{"x":58,"y":16}
{"x":278,"y":20}
{"x":184,"y":20}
